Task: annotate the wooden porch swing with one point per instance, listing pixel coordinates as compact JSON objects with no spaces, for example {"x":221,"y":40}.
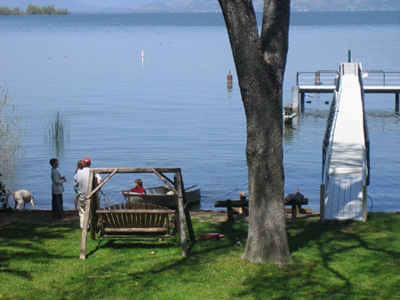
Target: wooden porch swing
{"x":126,"y":220}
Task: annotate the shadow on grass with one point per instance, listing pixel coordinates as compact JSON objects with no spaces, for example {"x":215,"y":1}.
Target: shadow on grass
{"x":299,"y":279}
{"x":27,"y":241}
{"x":316,"y":249}
{"x":134,"y":243}
{"x":323,"y":257}
{"x":152,"y":278}
{"x":232,"y":234}
{"x":231,"y":237}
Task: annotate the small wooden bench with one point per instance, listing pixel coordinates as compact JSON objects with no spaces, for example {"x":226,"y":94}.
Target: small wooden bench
{"x":134,"y":220}
{"x":230,"y":204}
{"x":294,"y":204}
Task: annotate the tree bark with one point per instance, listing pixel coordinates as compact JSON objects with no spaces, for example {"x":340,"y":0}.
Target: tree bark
{"x":260,"y":63}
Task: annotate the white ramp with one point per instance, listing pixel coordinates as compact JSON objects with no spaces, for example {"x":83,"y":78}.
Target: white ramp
{"x":343,"y":190}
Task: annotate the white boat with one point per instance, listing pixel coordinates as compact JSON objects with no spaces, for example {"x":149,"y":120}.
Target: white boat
{"x":162,"y":195}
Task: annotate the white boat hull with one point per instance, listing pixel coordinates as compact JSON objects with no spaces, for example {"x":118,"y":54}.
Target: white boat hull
{"x":163,"y":196}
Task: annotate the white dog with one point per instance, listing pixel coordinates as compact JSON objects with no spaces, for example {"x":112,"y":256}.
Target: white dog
{"x":23,"y":196}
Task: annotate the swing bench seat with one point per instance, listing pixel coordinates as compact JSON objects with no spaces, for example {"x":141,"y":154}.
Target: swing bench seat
{"x":134,"y":220}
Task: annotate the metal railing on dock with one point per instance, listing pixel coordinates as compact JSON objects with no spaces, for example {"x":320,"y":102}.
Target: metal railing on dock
{"x":380,"y":78}
{"x":325,"y":81}
{"x":320,"y":77}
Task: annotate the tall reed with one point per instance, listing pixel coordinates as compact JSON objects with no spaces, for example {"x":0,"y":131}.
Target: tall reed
{"x":57,"y":134}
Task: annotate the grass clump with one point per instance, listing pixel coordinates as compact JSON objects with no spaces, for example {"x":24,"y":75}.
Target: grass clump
{"x":57,"y":132}
{"x":351,"y":260}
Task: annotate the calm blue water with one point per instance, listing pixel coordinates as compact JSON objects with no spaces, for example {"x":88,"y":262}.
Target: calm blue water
{"x":172,"y":109}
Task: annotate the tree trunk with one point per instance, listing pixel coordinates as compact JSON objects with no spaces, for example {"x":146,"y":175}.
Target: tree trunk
{"x":260,"y":63}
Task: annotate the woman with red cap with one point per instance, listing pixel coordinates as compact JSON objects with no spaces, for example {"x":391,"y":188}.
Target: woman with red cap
{"x":82,"y":181}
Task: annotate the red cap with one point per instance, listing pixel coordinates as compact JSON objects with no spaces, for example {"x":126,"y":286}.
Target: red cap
{"x":86,"y":161}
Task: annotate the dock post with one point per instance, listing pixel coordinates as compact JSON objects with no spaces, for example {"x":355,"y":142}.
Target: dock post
{"x":318,"y":78}
{"x":295,"y":98}
{"x":364,"y":203}
{"x":396,"y":105}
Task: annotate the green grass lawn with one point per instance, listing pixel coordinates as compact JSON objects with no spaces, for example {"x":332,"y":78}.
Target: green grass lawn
{"x":351,"y":260}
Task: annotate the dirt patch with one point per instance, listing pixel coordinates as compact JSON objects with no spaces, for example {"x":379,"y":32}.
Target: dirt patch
{"x":209,"y":216}
{"x":71,"y":216}
{"x":36,"y":216}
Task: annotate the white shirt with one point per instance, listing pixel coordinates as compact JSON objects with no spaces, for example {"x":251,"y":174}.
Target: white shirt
{"x":57,"y":186}
{"x":82,"y":180}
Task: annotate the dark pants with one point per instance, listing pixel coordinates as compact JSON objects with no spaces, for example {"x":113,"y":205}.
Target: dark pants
{"x":57,"y":205}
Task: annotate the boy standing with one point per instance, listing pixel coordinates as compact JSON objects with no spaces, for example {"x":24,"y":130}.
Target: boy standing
{"x":57,"y":188}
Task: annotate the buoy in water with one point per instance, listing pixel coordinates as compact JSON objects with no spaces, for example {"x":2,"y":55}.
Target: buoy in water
{"x":229,"y":81}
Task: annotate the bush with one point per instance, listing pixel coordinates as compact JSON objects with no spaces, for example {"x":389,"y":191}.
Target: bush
{"x":11,"y":134}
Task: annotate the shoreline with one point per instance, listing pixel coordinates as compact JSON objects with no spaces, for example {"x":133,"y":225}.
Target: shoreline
{"x":8,"y":216}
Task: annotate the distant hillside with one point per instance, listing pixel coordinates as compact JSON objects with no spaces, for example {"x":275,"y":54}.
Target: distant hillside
{"x":33,"y":10}
{"x":200,"y":5}
{"x":71,"y":5}
{"x":345,"y":5}
{"x":80,"y":5}
{"x":296,"y":5}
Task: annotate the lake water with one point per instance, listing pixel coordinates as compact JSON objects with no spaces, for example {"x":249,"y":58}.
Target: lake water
{"x":173,"y":109}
